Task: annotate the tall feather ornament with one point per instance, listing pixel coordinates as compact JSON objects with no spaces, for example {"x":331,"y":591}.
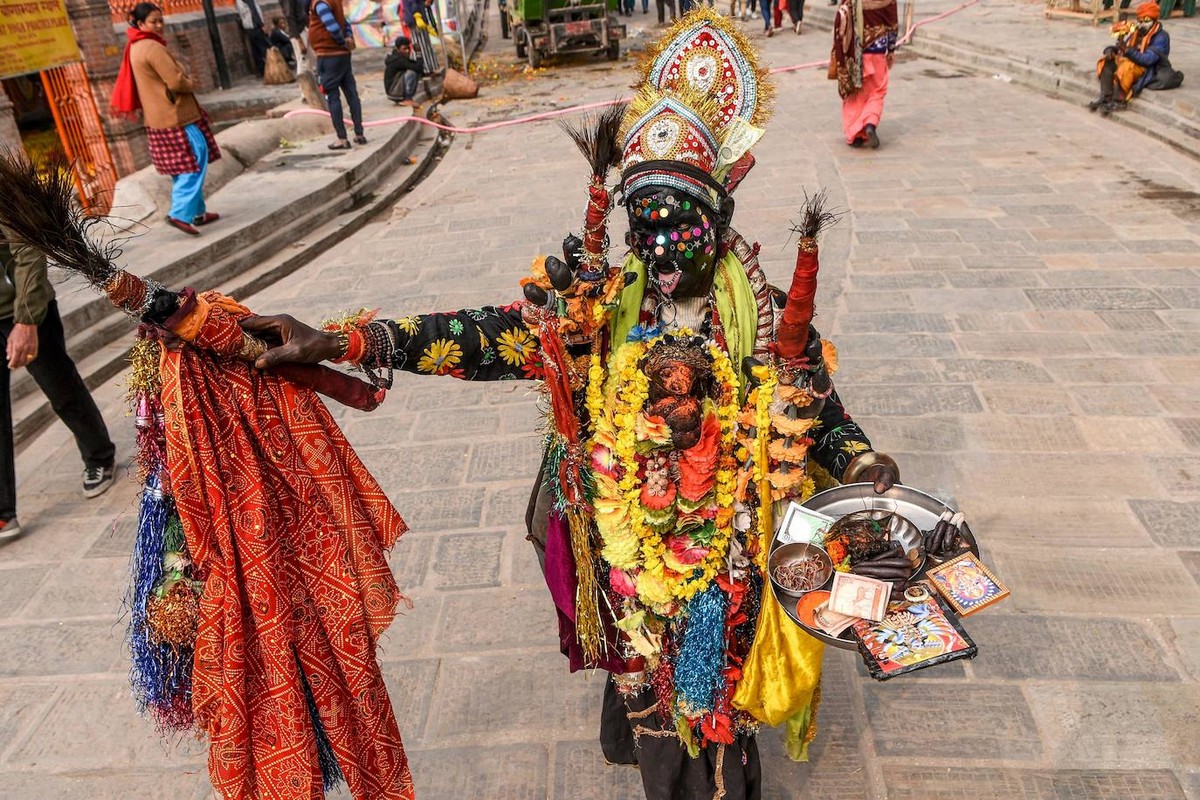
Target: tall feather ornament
{"x":599,"y":140}
{"x":596,"y":284}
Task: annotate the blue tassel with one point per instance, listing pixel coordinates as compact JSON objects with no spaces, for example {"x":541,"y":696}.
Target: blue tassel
{"x":331,"y":773}
{"x":161,"y":675}
{"x":701,"y":657}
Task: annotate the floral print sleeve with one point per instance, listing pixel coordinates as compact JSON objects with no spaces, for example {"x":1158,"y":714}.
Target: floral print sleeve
{"x":475,"y":344}
{"x":838,"y":439}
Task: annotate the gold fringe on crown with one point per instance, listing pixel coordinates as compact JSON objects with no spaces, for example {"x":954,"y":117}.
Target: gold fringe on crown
{"x":704,"y":106}
{"x":765,"y":101}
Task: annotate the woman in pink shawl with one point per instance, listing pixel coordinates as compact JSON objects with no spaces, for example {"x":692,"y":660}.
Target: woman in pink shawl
{"x":864,"y":41}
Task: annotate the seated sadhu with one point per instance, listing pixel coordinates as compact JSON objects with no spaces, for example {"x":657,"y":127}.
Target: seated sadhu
{"x":1139,"y":60}
{"x":688,"y":402}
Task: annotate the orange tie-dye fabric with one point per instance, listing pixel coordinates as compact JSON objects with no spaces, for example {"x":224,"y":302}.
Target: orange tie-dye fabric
{"x":289,"y":531}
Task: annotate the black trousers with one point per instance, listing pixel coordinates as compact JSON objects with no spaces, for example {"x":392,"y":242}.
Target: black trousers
{"x":337,"y":74}
{"x":631,"y":732}
{"x":259,"y":45}
{"x":1108,"y":74}
{"x":796,"y":10}
{"x":55,"y":373}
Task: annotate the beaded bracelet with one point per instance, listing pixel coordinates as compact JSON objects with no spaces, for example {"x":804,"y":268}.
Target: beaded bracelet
{"x":379,"y":349}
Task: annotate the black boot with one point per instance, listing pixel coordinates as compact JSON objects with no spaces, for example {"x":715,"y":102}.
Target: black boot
{"x":1095,"y":104}
{"x":872,"y":137}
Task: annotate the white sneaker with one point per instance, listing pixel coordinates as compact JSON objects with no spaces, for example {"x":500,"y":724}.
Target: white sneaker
{"x":96,"y":481}
{"x":9,"y":529}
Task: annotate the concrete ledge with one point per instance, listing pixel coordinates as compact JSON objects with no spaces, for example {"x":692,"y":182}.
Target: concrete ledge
{"x":145,"y":196}
{"x":311,"y":202}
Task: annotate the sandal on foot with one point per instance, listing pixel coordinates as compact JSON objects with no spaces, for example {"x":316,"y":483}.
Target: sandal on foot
{"x":339,"y":145}
{"x":183,"y":226}
{"x":360,"y":139}
{"x":205,"y":218}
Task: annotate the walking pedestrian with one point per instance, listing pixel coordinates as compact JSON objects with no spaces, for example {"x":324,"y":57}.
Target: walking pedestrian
{"x":796,"y":12}
{"x":33,"y":338}
{"x":420,"y":21}
{"x":330,"y":38}
{"x":864,"y":43}
{"x":177,"y":130}
{"x":767,"y":7}
{"x":256,"y":33}
{"x":663,"y":5}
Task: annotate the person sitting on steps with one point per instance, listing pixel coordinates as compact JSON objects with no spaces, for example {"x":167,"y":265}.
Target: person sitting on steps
{"x":1139,"y":60}
{"x":401,"y":72}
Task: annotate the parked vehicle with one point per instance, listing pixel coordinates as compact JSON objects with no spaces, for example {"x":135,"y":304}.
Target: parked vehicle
{"x":542,"y":28}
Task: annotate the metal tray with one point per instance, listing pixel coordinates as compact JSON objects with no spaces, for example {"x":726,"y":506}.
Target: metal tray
{"x":914,"y":505}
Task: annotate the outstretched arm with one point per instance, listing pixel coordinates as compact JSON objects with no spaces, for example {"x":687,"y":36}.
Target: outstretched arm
{"x":489,"y":343}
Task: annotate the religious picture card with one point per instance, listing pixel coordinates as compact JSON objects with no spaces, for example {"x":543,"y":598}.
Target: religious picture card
{"x":967,"y":585}
{"x":912,"y":636}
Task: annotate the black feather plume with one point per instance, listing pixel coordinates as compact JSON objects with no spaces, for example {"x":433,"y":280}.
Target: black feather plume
{"x":814,"y":217}
{"x":38,"y":208}
{"x":599,"y":138}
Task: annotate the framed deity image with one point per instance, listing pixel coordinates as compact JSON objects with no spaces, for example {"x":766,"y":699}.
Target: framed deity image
{"x":967,"y":584}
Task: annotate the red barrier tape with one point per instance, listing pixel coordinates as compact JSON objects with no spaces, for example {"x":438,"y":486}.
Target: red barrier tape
{"x":491,"y":126}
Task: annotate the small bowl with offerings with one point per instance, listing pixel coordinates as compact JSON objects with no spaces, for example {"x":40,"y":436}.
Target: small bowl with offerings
{"x":798,"y":568}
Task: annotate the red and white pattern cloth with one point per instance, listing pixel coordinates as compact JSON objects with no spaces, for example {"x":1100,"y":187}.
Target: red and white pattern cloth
{"x":288,"y":530}
{"x":170,"y":152}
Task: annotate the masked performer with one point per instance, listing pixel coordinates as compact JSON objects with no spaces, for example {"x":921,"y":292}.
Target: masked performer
{"x":864,"y":42}
{"x":687,"y":400}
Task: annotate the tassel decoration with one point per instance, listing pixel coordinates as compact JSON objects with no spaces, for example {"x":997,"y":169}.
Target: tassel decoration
{"x":701,"y":660}
{"x":331,"y":772}
{"x":160,"y":671}
{"x":588,"y":626}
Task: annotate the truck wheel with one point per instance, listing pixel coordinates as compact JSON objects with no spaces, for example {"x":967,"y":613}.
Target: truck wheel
{"x":519,"y":40}
{"x":535,"y":56}
{"x":614,"y":51}
{"x":505,"y":25}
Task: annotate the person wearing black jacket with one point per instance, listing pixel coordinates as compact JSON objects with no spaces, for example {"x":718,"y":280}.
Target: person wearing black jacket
{"x":31,"y":336}
{"x":401,"y":71}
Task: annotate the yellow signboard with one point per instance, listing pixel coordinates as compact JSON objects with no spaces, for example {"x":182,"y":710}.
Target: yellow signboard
{"x":35,"y":35}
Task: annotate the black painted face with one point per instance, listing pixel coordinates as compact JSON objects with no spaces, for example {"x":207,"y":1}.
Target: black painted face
{"x":676,"y":238}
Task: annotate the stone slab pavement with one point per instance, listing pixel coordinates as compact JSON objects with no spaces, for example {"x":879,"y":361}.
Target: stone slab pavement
{"x":1019,"y":324}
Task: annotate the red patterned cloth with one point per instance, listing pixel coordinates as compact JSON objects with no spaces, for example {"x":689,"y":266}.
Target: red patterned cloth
{"x":170,"y":152}
{"x":288,"y":529}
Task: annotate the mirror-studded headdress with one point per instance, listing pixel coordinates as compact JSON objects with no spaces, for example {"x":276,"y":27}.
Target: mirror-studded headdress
{"x":700,"y":107}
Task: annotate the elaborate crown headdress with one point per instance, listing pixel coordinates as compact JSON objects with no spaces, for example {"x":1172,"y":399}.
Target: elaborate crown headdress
{"x":701,"y":105}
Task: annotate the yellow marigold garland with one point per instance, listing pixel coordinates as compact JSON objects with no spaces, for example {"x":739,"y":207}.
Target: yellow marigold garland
{"x":629,"y":540}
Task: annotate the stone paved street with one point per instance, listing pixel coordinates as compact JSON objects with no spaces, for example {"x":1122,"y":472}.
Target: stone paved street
{"x":1016,"y":298}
